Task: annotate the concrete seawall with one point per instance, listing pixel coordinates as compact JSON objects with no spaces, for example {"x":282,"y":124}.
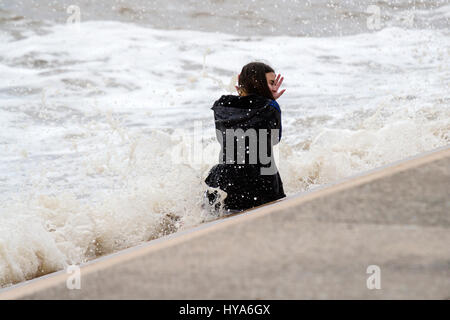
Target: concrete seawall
{"x":315,"y":245}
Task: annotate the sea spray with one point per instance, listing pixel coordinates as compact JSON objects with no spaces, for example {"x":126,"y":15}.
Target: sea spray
{"x":88,"y":136}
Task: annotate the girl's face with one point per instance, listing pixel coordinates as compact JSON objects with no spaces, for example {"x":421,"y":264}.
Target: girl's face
{"x":270,"y":76}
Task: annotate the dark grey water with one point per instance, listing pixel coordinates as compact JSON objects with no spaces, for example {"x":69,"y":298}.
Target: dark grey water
{"x":244,"y":17}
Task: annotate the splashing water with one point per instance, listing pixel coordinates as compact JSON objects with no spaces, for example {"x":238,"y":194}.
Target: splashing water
{"x":97,"y":134}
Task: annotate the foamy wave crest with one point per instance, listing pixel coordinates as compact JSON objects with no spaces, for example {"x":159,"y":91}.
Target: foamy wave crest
{"x":390,"y":134}
{"x":42,"y":233}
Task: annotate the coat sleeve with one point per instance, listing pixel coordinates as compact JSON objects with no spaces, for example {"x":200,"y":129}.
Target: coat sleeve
{"x":275,"y":121}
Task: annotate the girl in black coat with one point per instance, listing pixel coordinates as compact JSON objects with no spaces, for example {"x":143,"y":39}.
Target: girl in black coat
{"x":247,"y":127}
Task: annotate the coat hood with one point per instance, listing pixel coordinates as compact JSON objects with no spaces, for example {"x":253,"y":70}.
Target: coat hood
{"x":243,"y":111}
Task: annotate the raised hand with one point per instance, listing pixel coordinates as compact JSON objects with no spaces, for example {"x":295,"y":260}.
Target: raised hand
{"x":277,"y":83}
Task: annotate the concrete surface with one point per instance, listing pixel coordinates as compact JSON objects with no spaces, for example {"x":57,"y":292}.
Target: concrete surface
{"x":315,"y":245}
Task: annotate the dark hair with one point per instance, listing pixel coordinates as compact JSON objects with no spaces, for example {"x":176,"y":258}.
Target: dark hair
{"x":253,"y":79}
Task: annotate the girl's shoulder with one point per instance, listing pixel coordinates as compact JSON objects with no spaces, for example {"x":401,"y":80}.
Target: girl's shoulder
{"x":225,"y":99}
{"x":251,"y":101}
{"x":274,"y":103}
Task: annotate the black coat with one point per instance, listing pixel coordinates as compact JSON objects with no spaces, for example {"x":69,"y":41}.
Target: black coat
{"x":239,"y":170}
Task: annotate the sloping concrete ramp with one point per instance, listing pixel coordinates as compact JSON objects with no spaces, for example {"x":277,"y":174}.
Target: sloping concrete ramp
{"x":392,"y":222}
